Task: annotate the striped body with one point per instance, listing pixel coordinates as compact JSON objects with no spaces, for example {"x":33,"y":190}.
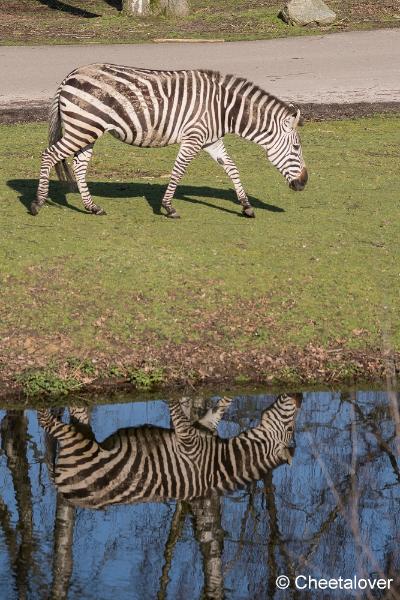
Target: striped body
{"x":151,"y":108}
{"x":154,"y":464}
{"x":136,"y":105}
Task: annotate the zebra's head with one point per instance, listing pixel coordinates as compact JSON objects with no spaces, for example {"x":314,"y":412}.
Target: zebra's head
{"x":278,"y":422}
{"x":284,"y":148}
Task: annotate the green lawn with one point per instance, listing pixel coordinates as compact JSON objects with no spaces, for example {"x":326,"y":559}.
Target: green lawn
{"x":100,"y":21}
{"x":312,"y":281}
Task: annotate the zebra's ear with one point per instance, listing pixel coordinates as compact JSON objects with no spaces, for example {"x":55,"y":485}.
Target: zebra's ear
{"x":294,"y":118}
{"x":297,"y":120}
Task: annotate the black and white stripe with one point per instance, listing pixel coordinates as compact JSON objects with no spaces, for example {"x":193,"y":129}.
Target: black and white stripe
{"x":156,"y":108}
{"x":152,"y":464}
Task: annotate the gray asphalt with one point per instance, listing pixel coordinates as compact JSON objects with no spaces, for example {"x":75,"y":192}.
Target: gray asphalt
{"x":336,"y":68}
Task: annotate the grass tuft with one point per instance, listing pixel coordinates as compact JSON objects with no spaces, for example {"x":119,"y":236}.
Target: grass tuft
{"x":146,"y":380}
{"x":46,"y":383}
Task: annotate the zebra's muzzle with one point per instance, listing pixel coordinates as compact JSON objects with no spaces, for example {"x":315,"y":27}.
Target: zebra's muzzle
{"x":298,"y":398}
{"x":300,"y":183}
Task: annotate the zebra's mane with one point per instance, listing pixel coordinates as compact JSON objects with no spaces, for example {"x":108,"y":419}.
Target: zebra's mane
{"x":291,"y":109}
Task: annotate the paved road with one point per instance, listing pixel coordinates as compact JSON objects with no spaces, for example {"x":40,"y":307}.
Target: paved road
{"x":342,"y":67}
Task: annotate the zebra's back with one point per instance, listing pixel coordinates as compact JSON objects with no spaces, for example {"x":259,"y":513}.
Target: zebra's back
{"x":141,"y":107}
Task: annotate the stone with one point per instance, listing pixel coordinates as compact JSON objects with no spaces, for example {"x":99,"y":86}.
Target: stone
{"x":307,"y":12}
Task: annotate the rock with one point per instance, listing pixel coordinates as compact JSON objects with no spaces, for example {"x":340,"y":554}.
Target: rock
{"x":307,"y":12}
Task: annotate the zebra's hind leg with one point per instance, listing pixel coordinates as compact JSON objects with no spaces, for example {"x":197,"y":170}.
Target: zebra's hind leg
{"x":187,"y":151}
{"x":218,"y":152}
{"x":80,"y":165}
{"x":51,"y":156}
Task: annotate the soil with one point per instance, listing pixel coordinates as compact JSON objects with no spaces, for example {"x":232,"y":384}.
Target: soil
{"x":33,"y":111}
{"x":191,"y":368}
{"x":94,"y":21}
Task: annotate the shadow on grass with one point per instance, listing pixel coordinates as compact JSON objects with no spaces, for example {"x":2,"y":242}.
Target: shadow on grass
{"x":152,"y":192}
{"x":71,"y":10}
{"x":115,"y":4}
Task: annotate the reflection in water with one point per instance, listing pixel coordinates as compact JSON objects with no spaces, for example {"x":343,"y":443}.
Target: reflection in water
{"x":334,"y":513}
{"x":63,"y":539}
{"x":155,"y":464}
{"x":64,"y":517}
{"x":20,"y":542}
{"x":206,"y":514}
{"x":188,"y":462}
{"x":209,"y":534}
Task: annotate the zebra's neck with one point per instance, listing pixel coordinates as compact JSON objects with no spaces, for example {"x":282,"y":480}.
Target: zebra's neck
{"x":249,"y":455}
{"x":250,"y":111}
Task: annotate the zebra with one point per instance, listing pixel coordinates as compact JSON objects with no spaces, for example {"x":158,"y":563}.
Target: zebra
{"x":155,"y":108}
{"x":154,"y":464}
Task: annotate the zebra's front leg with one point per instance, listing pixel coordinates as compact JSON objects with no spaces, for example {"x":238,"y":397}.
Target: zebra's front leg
{"x":187,"y":152}
{"x":80,"y":165}
{"x":213,"y":416}
{"x":218,"y":152}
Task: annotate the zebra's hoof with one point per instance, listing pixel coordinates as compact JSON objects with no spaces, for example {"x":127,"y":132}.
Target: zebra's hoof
{"x":249,"y":213}
{"x":173,"y":215}
{"x":99,"y":211}
{"x":34,"y":208}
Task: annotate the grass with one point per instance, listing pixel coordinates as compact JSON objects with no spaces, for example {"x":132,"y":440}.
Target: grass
{"x":136,"y":295}
{"x":45,"y":382}
{"x":100,"y":21}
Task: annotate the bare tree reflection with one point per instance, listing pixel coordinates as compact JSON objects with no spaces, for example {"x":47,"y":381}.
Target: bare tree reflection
{"x":347,"y":487}
{"x":10,"y":534}
{"x":63,"y":541}
{"x":14,"y":436}
{"x":208,"y":531}
{"x":175,"y":532}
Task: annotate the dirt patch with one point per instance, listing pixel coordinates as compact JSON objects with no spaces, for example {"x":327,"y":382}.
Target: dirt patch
{"x":192,"y":365}
{"x":222,"y":347}
{"x":338,"y":112}
{"x":24,"y":112}
{"x":366,"y":10}
{"x":34,"y":111}
{"x":100,"y":21}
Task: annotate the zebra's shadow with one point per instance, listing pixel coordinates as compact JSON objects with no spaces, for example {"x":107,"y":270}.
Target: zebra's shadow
{"x":152,"y":192}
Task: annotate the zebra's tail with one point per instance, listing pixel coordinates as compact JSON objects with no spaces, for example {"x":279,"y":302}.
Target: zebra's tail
{"x":65,"y":433}
{"x":63,"y":170}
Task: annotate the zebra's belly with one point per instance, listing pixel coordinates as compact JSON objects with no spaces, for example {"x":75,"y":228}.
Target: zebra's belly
{"x":151,"y":138}
{"x":96,"y":488}
{"x":101,"y":500}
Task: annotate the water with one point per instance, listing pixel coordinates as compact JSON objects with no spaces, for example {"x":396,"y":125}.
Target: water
{"x":334,"y":512}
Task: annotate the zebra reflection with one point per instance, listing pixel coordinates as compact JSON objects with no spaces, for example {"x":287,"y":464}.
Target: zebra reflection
{"x":140,"y":464}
